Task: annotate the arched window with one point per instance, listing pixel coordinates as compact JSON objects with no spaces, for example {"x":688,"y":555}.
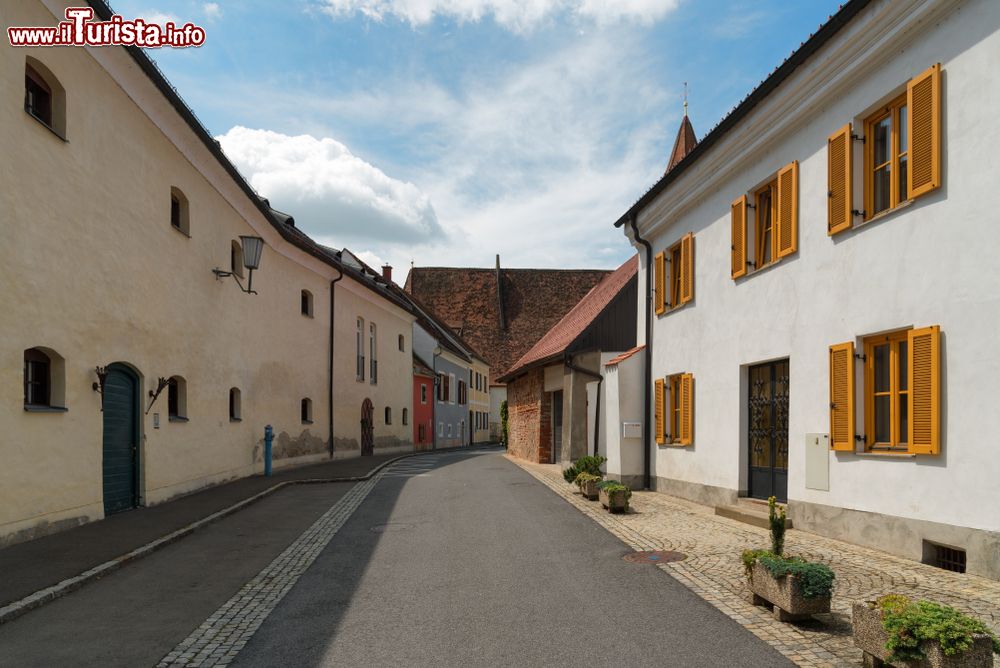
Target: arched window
{"x":236,"y":259}
{"x":406,"y":416}
{"x":402,"y":343}
{"x":388,"y":415}
{"x":44,"y":96}
{"x":179,"y":215}
{"x":307,"y":303}
{"x":307,"y":411}
{"x":44,"y":380}
{"x":361,"y":349}
{"x":235,"y":405}
{"x":177,"y":399}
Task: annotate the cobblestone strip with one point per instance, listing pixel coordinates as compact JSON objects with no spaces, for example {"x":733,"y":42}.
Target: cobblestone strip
{"x":714,"y":572}
{"x":221,"y":637}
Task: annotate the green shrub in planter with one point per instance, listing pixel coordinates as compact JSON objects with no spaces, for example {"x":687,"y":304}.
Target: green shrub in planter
{"x":590,"y":464}
{"x":814,"y":579}
{"x":911,"y":623}
{"x":614,"y":488}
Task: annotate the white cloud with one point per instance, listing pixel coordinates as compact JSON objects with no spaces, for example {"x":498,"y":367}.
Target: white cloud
{"x":516,"y":15}
{"x":160,"y":18}
{"x":331,"y":192}
{"x":212,"y":11}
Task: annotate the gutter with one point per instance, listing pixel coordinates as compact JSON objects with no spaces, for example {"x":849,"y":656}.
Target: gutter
{"x":567,"y":361}
{"x":648,"y":360}
{"x":329,"y":394}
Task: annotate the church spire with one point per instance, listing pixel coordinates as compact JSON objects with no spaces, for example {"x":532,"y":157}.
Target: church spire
{"x":686,"y":140}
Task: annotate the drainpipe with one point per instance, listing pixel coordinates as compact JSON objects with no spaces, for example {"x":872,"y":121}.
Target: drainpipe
{"x":434,"y":431}
{"x":329,"y":394}
{"x":568,"y":362}
{"x":648,"y":371}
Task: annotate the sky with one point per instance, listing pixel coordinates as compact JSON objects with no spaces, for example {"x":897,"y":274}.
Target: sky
{"x":443,"y":132}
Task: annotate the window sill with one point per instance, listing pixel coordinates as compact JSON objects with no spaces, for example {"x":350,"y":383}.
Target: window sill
{"x":887,"y":453}
{"x":235,"y":419}
{"x":673,"y":309}
{"x":179,"y":230}
{"x":177,"y":418}
{"x":884,"y":214}
{"x":308,"y":315}
{"x":37,"y":408}
{"x":754,"y":271}
{"x":47,"y":126}
{"x":307,"y":422}
{"x":674,"y":445}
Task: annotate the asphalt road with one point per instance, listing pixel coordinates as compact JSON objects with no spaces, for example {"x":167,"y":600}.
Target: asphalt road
{"x":465,"y":560}
{"x":136,"y":615}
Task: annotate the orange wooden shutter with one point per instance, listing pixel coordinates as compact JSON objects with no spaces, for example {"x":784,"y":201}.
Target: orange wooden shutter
{"x":788,"y":209}
{"x":660,"y":282}
{"x":658,"y":404}
{"x":687,"y":408}
{"x":687,"y":268}
{"x":842,"y":397}
{"x":839,"y":163}
{"x":924,"y":381}
{"x":738,"y":212}
{"x":923,"y":101}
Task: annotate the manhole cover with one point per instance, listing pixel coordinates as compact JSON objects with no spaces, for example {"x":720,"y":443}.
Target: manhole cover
{"x":392,"y":526}
{"x":654,"y":557}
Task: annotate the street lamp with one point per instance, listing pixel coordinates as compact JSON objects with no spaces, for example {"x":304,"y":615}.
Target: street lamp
{"x":252,"y":248}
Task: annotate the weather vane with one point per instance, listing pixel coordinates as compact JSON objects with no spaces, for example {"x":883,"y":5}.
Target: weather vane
{"x":685,"y":98}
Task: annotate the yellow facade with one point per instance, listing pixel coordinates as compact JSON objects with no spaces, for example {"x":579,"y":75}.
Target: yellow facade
{"x":91,"y":268}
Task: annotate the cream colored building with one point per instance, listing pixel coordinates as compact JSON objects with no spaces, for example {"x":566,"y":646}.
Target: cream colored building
{"x":116,"y":206}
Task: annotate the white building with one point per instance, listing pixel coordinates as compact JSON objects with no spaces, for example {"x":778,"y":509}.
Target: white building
{"x":824,"y":306}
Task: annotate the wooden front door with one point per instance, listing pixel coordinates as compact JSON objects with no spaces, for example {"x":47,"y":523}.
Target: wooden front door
{"x":367,"y":428}
{"x":768,"y":438}
{"x":121,"y":439}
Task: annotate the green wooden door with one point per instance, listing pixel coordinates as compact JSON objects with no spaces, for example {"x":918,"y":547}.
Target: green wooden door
{"x":121,"y":439}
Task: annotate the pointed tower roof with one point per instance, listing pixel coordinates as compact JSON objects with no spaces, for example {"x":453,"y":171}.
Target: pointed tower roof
{"x":685,"y":142}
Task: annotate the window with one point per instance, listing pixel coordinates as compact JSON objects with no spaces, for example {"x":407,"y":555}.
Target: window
{"x":902,"y":153}
{"x":44,"y":97}
{"x":307,"y":411}
{"x":775,"y":229}
{"x":371,"y":351}
{"x":43,"y":374}
{"x":421,"y":433}
{"x":307,"y":303}
{"x":423,"y":393}
{"x":901,"y":392}
{"x":179,"y":213}
{"x":177,"y":399}
{"x":440,"y":429}
{"x":674,"y":409}
{"x":449,"y":386}
{"x":449,"y":430}
{"x":235,"y":407}
{"x":236,"y":258}
{"x":360,"y":343}
{"x":388,"y":415}
{"x":674,"y":287}
{"x":463,"y":395}
{"x":406,"y":416}
{"x":402,"y":344}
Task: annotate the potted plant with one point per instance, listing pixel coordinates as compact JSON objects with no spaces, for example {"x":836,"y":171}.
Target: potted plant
{"x":795,"y":587}
{"x":590,"y":464}
{"x":614,"y":495}
{"x":898,"y":631}
{"x":587,"y":482}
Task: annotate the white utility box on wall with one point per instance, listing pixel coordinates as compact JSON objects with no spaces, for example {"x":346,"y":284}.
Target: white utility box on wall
{"x":818,"y":462}
{"x":631,"y":430}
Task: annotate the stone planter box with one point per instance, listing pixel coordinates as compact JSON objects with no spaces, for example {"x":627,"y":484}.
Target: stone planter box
{"x":870,"y":636}
{"x":589,"y":489}
{"x":785,"y":595}
{"x":615,"y":503}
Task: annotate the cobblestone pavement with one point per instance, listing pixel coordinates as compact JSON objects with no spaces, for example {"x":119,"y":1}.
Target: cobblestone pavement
{"x":713,"y":570}
{"x":220,"y":638}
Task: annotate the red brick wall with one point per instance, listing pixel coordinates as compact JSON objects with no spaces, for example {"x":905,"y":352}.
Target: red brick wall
{"x":529,"y":417}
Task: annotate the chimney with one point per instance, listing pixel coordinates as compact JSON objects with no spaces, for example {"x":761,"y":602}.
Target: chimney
{"x":387,"y":273}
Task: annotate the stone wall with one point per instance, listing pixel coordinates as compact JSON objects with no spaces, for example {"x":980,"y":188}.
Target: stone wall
{"x":529,"y":411}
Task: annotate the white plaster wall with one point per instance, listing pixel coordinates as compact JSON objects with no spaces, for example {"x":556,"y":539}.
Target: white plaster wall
{"x":624,"y":404}
{"x":931,"y":263}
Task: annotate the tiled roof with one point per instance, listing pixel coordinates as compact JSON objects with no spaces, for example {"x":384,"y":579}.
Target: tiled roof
{"x":533,"y":300}
{"x":684,"y":144}
{"x":566,"y":331}
{"x":624,"y":356}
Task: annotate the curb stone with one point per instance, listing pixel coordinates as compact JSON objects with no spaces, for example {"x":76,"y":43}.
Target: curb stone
{"x":39,"y":598}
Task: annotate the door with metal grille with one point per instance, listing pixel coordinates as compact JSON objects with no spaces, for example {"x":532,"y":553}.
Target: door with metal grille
{"x":768,"y":437}
{"x":367,"y":428}
{"x":121,"y":439}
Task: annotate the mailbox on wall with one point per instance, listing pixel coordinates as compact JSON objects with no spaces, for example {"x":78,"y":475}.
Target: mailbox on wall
{"x":631,"y":430}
